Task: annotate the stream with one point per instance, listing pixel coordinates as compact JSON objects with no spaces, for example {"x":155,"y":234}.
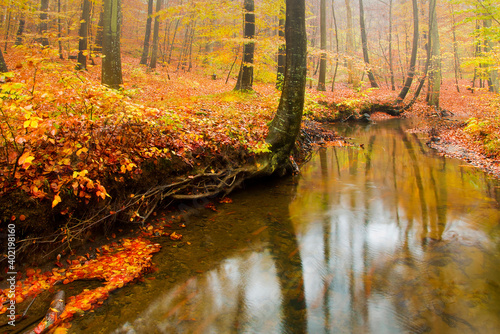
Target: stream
{"x":385,"y":238}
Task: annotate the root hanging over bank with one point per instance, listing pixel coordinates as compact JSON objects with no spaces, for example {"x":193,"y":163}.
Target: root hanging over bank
{"x":134,"y":202}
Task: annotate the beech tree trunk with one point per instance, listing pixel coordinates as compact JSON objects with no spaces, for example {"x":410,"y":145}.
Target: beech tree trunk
{"x":7,"y":30}
{"x":336,"y":45}
{"x":492,"y":70}
{"x":285,"y":126}
{"x":391,"y":64}
{"x":350,"y":45}
{"x":413,"y":59}
{"x":99,"y":33}
{"x":245,"y":77}
{"x":322,"y":62}
{"x":83,"y":36}
{"x":435,"y":60}
{"x":281,"y":49}
{"x":59,"y":29}
{"x":111,"y":63}
{"x":156,"y":31}
{"x":147,"y":37}
{"x":20,"y":31}
{"x":3,"y":65}
{"x":42,"y":27}
{"x":364,"y":43}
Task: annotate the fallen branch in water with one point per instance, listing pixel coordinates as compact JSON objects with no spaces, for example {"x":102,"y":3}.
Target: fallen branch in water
{"x":53,"y":314}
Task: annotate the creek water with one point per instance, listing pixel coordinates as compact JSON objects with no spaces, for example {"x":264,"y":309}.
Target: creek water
{"x":389,"y":238}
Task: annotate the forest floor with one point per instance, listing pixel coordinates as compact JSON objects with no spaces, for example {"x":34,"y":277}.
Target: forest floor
{"x":69,"y":144}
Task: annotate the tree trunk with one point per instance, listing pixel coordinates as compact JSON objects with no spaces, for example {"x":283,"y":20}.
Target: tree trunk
{"x":336,"y":45}
{"x":42,"y":27}
{"x":435,"y":61}
{"x":20,"y":31}
{"x":245,"y":77}
{"x":391,"y":65}
{"x":3,"y":65}
{"x":492,"y":70}
{"x":285,"y":126}
{"x":364,"y":43}
{"x":156,"y":31}
{"x":281,"y":49}
{"x":456,"y":58}
{"x":99,"y":33}
{"x":111,"y":63}
{"x":413,"y":59}
{"x":147,"y":37}
{"x":350,"y":45}
{"x":7,"y":31}
{"x":83,"y":36}
{"x":173,"y":41}
{"x":59,"y":29}
{"x":322,"y":62}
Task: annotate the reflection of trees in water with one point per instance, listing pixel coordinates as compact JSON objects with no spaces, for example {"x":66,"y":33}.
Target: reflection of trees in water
{"x":417,"y":277}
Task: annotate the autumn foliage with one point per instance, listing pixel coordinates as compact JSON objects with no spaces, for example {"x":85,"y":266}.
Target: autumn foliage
{"x":116,"y":265}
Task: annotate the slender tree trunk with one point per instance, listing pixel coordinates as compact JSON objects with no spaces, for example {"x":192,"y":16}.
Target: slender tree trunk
{"x":20,"y":31}
{"x":456,"y":58}
{"x":492,"y":70}
{"x":281,"y":49}
{"x":413,"y":59}
{"x":285,"y":126}
{"x":435,"y":64}
{"x":156,"y":31}
{"x":83,"y":36}
{"x":111,"y":63}
{"x":350,"y":46}
{"x":7,"y":31}
{"x":245,"y":77}
{"x":99,"y":33}
{"x":364,"y":42}
{"x":391,"y":66}
{"x":166,"y":40}
{"x":42,"y":27}
{"x":173,"y":41}
{"x":190,"y":51}
{"x":59,"y":29}
{"x":147,"y":37}
{"x":322,"y":62}
{"x":3,"y":65}
{"x":477,"y":52}
{"x":183,"y":52}
{"x":336,"y":45}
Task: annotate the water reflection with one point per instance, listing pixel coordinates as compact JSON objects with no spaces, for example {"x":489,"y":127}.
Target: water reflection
{"x":389,"y":238}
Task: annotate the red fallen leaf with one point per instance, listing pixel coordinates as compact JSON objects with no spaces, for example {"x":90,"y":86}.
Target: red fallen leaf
{"x":59,"y":264}
{"x":226,"y":200}
{"x":22,"y":217}
{"x":66,"y":281}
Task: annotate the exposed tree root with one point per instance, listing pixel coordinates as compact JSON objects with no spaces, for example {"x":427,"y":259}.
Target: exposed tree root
{"x":137,"y":208}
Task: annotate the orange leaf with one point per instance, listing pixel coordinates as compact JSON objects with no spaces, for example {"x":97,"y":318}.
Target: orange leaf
{"x":57,"y":200}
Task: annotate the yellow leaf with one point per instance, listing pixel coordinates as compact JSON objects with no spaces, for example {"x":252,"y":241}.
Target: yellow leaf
{"x":25,"y":159}
{"x":82,"y":150}
{"x":57,"y":200}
